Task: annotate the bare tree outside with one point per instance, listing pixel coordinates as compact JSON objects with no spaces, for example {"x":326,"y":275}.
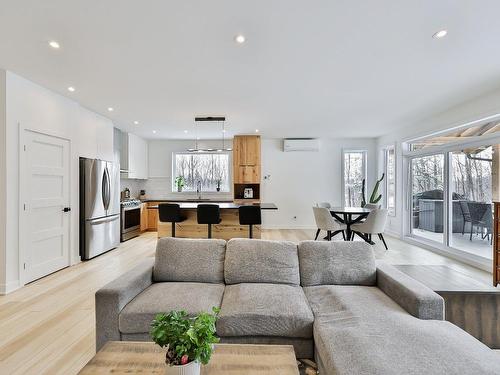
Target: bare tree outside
{"x":354,"y":173}
{"x":210,"y":169}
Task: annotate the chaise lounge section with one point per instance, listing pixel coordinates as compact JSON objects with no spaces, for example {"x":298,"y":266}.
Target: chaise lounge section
{"x":330,"y":300}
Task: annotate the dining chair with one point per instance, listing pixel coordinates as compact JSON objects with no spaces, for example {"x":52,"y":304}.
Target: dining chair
{"x":374,"y":224}
{"x":323,"y":204}
{"x":326,"y":222}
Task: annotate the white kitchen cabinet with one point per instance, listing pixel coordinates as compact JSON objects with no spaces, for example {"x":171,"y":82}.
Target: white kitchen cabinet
{"x":94,"y":136}
{"x":134,"y":158}
{"x":104,"y":133}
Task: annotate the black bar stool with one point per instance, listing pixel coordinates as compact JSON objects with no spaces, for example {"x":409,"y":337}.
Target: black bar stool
{"x":170,"y":213}
{"x":250,"y":215}
{"x":208,"y":214}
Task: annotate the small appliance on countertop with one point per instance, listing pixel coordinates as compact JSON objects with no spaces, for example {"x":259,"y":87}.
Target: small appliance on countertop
{"x":142,"y":195}
{"x":130,"y":219}
{"x":248,"y":193}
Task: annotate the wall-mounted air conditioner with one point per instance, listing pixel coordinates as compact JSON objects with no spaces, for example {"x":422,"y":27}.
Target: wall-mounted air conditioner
{"x":300,"y":144}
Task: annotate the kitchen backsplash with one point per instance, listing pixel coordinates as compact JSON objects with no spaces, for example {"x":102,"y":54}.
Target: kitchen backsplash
{"x":160,"y":188}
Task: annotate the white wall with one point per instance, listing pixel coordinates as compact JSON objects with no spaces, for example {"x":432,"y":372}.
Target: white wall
{"x":299,"y":179}
{"x":481,"y":107}
{"x":30,"y":106}
{"x":159,"y":183}
{"x":3,"y":182}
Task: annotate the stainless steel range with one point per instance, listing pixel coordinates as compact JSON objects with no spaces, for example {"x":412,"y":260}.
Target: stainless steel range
{"x":130,"y":219}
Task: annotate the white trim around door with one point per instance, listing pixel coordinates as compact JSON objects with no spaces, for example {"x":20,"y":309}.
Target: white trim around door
{"x":44,"y":204}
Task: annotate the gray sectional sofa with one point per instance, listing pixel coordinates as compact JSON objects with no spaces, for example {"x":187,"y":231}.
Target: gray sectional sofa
{"x":330,"y":300}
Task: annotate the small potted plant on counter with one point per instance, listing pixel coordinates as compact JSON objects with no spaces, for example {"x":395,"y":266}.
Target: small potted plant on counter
{"x":189,"y":341}
{"x":179,"y":182}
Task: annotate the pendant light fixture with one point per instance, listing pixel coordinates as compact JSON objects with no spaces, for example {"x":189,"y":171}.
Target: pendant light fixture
{"x":219,"y":120}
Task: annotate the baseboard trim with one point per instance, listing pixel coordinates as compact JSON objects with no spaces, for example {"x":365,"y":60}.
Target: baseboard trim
{"x":392,"y":233}
{"x":9,"y":287}
{"x":287,"y":227}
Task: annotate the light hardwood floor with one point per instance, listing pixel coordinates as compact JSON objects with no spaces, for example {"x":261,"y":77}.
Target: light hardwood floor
{"x":47,"y":327}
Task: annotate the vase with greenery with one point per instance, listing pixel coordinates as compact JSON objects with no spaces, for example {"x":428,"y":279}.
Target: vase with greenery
{"x":375,"y":197}
{"x":179,"y":182}
{"x":188,"y":340}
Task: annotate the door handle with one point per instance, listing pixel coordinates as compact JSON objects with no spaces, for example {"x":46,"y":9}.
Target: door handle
{"x":66,"y":209}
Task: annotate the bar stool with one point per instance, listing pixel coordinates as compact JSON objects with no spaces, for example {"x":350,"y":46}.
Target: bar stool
{"x":250,"y":215}
{"x":170,"y":213}
{"x":208,"y":214}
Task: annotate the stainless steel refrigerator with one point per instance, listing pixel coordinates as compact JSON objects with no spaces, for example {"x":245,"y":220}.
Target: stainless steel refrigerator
{"x":99,"y":207}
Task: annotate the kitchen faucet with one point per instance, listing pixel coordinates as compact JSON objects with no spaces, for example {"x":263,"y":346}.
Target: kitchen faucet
{"x":198,"y":188}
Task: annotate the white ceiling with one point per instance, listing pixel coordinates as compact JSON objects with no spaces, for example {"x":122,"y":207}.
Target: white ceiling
{"x":309,"y":68}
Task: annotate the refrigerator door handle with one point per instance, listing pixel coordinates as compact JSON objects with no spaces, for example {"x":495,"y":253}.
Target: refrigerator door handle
{"x":105,"y":188}
{"x":106,"y":219}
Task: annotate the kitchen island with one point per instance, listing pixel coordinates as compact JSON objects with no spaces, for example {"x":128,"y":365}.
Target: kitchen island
{"x":228,"y":228}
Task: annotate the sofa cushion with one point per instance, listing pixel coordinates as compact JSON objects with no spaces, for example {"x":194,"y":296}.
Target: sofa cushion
{"x":194,"y":260}
{"x":336,"y":263}
{"x":360,"y":330}
{"x":261,"y":261}
{"x":265,"y":310}
{"x":194,"y":298}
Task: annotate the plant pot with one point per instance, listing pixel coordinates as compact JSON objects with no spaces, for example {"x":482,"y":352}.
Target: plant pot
{"x":192,"y":368}
{"x":179,"y":189}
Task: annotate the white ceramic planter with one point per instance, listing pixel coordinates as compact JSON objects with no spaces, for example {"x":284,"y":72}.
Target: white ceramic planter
{"x":192,"y":368}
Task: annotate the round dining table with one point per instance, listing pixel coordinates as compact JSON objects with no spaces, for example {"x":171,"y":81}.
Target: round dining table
{"x":350,"y":216}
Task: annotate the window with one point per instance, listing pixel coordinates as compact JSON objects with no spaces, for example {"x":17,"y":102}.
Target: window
{"x":354,"y":172}
{"x":211,"y":169}
{"x":390,"y":180}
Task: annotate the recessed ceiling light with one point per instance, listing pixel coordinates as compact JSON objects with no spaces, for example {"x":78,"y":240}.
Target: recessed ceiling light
{"x":154,"y":131}
{"x":240,"y":39}
{"x":136,"y":122}
{"x":440,"y":34}
{"x":71,"y":89}
{"x":256,"y":130}
{"x":185,"y":131}
{"x":110,"y":109}
{"x":54,"y":44}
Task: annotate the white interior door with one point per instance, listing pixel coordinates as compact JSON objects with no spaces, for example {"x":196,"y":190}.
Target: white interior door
{"x":45,"y":222}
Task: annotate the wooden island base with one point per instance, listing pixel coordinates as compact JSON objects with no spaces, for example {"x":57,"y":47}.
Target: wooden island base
{"x":228,"y":228}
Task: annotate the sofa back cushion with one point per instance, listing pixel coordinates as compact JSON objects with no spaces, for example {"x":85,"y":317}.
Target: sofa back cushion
{"x":336,"y":263}
{"x":192,"y":260}
{"x":261,"y":261}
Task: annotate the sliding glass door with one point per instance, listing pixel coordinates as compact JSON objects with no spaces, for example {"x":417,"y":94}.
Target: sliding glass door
{"x":450,"y":199}
{"x":471,"y":187}
{"x":427,"y":197}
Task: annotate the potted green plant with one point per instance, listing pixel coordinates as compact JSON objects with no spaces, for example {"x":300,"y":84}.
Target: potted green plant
{"x":189,"y":340}
{"x":179,"y":182}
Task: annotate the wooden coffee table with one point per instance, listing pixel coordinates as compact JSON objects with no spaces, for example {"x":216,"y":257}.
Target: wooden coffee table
{"x":128,"y":357}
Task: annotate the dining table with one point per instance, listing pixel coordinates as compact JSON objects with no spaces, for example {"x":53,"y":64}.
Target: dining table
{"x":350,"y":216}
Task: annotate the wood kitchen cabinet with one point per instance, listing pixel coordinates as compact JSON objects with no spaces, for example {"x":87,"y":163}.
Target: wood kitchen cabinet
{"x":246,"y":159}
{"x":152,"y":217}
{"x":246,"y":150}
{"x":144,"y":217}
